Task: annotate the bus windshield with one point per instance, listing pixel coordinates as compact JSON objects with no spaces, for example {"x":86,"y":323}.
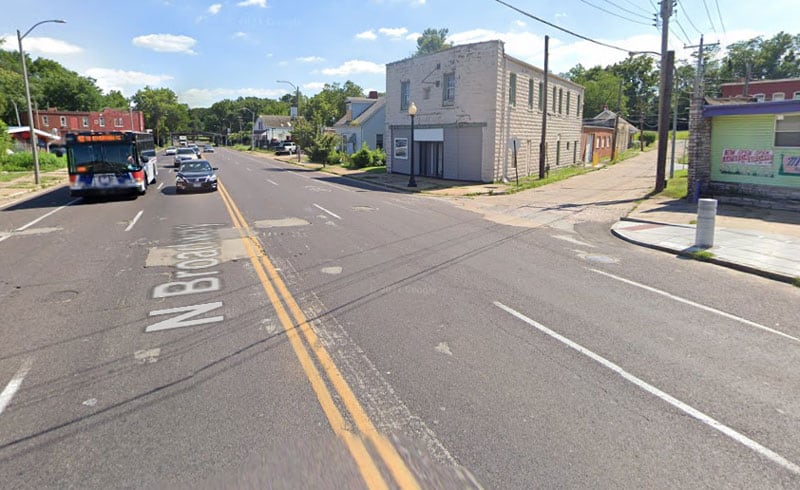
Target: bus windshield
{"x":103,"y":157}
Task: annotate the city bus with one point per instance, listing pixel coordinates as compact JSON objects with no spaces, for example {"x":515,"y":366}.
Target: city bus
{"x":101,"y":163}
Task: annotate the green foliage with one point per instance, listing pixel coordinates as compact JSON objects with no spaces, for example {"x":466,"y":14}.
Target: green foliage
{"x":52,"y":85}
{"x":5,"y":140}
{"x":378,"y":156}
{"x":115,"y":100}
{"x":23,"y":162}
{"x":702,"y":255}
{"x":677,"y":187}
{"x":322,"y":148}
{"x":533,"y":181}
{"x":363,"y":157}
{"x":432,"y":41}
{"x":304,"y":133}
{"x":329,"y":105}
{"x":648,"y":137}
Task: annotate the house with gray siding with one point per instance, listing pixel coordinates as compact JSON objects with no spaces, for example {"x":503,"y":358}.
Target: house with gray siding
{"x":364,"y":122}
{"x":479,"y":115}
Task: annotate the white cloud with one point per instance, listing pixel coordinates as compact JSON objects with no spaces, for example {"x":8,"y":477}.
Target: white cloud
{"x":393,"y":32}
{"x":41,"y":45}
{"x":413,"y":36}
{"x":214,"y":9}
{"x":166,"y":43}
{"x":253,"y":3}
{"x":310,"y":59}
{"x":314,"y":86}
{"x":240,"y":35}
{"x":368,"y":35}
{"x":519,"y":23}
{"x":355,"y":66}
{"x":126,"y":82}
{"x":202,"y":97}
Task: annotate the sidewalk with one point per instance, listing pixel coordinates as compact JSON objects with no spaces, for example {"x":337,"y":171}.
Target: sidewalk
{"x":759,"y":241}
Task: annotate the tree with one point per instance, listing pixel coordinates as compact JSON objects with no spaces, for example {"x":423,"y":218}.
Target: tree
{"x":601,"y":89}
{"x":330,"y":104}
{"x":773,"y":58}
{"x":55,"y":86}
{"x":432,"y":41}
{"x":115,"y":100}
{"x":639,"y":86}
{"x":161,"y":110}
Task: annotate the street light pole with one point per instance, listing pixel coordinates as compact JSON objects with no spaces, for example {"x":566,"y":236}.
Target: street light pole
{"x":412,"y":111}
{"x":31,"y":126}
{"x":252,"y":130}
{"x":297,"y":98}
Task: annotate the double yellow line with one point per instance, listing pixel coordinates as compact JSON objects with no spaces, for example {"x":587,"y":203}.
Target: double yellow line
{"x":282,"y":300}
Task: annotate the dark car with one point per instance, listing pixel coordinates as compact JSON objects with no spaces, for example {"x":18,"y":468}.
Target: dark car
{"x":196,"y":175}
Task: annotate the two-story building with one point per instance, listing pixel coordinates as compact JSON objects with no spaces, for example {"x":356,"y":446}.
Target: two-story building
{"x":479,"y":114}
{"x":271,"y":129}
{"x":58,"y":122}
{"x":763,"y":90}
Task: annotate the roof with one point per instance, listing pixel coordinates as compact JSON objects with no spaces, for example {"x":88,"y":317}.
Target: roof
{"x":715,"y":107}
{"x":364,"y":116}
{"x":276,"y":121}
{"x":757,"y":82}
{"x":39,"y":133}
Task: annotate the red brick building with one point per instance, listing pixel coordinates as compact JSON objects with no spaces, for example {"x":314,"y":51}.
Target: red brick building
{"x":764,"y":90}
{"x":59,"y":122}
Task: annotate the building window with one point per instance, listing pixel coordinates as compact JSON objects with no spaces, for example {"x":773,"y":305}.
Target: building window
{"x":568,"y":94}
{"x":759,"y":97}
{"x":449,"y":89}
{"x":63,"y":121}
{"x":560,"y":101}
{"x":85,"y":122}
{"x":555,"y":97}
{"x":530,"y":93}
{"x":401,"y":148}
{"x":541,"y":96}
{"x":45,"y":121}
{"x":118,"y":122}
{"x":379,"y":141}
{"x":787,"y":131}
{"x":405,"y":95}
{"x":778,"y":96}
{"x":512,"y":90}
{"x":797,"y":96}
{"x":102,"y":122}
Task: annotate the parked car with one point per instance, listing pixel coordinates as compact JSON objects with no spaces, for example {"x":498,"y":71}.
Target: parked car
{"x":196,"y":175}
{"x":171,"y":150}
{"x":184,"y":154}
{"x":208,"y":149}
{"x":286,"y":148}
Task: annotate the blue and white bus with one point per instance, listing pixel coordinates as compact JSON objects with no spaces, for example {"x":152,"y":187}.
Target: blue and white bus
{"x":101,"y":163}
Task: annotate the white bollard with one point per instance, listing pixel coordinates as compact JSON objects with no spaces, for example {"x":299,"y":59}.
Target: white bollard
{"x":706,"y":217}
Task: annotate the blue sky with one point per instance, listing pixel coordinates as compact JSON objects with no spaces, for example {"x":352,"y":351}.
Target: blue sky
{"x":206,"y":51}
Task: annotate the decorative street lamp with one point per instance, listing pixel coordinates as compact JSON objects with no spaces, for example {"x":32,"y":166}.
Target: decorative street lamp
{"x":412,"y":111}
{"x":34,"y":143}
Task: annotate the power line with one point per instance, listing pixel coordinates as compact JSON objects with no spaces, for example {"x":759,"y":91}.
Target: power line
{"x":719,"y":12}
{"x":561,"y":28}
{"x":685,"y":36}
{"x":708,"y":13}
{"x":614,"y":14}
{"x":637,"y":14}
{"x":682,"y":10}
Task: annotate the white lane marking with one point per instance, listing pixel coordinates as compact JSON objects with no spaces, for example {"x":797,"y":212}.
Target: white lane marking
{"x":570,"y":239}
{"x":135,"y":219}
{"x":147,"y":356}
{"x":689,"y":410}
{"x":697,"y":305}
{"x":160,"y":186}
{"x":14,"y":384}
{"x":40,"y":218}
{"x":272,"y":182}
{"x":249,"y":169}
{"x":325,"y":210}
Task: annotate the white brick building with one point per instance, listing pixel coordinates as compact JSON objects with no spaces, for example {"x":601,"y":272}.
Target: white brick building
{"x":473,"y":101}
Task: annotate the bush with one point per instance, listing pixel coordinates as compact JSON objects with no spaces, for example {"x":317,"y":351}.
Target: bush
{"x":363,"y":157}
{"x":23,"y":162}
{"x":379,"y":157}
{"x":649,"y":137}
{"x":322,"y":148}
{"x":335,"y":157}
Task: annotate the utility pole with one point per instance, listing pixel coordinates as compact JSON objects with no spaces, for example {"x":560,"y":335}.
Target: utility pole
{"x":616,"y":124}
{"x":542,"y":143}
{"x":698,"y":79}
{"x":664,"y":92}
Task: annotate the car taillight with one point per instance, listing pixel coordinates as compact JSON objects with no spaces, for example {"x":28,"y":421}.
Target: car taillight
{"x":138,"y":175}
{"x":73,"y":178}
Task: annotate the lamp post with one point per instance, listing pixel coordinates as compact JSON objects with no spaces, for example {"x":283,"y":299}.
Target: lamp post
{"x":252,"y":130}
{"x":34,"y":143}
{"x":297,"y":97}
{"x":412,"y":111}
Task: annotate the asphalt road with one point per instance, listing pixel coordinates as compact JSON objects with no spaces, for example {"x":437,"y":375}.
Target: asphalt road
{"x":301,"y":330}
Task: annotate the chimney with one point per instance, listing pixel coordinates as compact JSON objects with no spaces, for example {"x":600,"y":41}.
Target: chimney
{"x":373,"y":94}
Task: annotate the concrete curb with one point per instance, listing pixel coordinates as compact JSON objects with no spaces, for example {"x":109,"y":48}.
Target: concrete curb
{"x":687,"y":253}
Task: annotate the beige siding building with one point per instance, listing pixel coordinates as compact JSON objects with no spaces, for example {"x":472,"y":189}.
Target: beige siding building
{"x":475,"y":104}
